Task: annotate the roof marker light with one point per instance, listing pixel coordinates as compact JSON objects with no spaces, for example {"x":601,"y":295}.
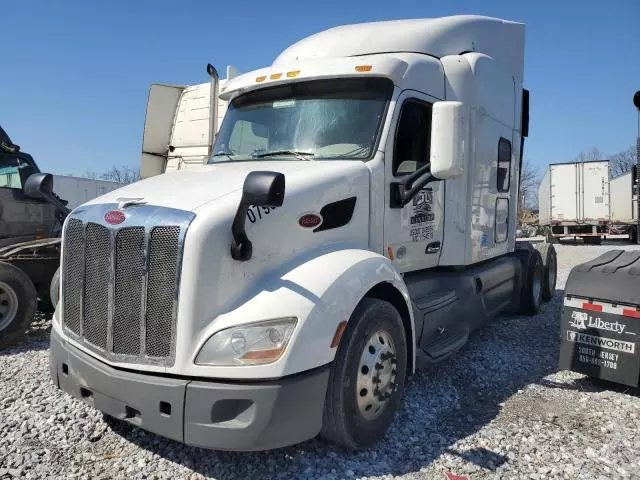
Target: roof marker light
{"x":261,"y":79}
{"x":275,"y":76}
{"x":363,"y":68}
{"x":293,"y":73}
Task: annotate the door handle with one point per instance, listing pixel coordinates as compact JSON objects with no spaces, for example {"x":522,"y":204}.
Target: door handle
{"x":433,"y":247}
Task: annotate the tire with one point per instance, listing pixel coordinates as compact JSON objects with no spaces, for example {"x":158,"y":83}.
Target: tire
{"x":633,"y":236}
{"x":531,"y":294}
{"x":550,"y":266}
{"x":593,"y":240}
{"x":18,"y":300}
{"x":354,"y":417}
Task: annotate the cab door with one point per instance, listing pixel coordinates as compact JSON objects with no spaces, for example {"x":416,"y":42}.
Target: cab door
{"x":413,"y":233}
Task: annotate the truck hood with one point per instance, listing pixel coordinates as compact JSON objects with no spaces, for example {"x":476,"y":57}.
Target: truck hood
{"x":192,"y":188}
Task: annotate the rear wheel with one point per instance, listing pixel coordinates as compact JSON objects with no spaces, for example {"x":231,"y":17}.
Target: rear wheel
{"x":18,"y":299}
{"x":531,"y":294}
{"x":367,"y":376}
{"x":550,"y":270}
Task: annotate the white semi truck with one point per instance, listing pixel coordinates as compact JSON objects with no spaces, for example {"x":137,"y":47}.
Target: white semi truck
{"x":355,"y":221}
{"x":574,"y":200}
{"x":181,"y":123}
{"x":624,"y":204}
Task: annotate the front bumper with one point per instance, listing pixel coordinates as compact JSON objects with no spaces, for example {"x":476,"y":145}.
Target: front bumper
{"x":217,"y":415}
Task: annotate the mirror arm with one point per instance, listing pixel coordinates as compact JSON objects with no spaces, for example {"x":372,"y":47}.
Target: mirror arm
{"x":404,"y":191}
{"x":241,"y":247}
{"x":409,"y":179}
{"x":408,"y":195}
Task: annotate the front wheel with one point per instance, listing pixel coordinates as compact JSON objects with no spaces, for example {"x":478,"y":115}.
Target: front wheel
{"x":367,"y":377}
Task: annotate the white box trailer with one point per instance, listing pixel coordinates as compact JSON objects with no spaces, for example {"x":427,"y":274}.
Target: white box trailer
{"x":180,"y":124}
{"x":574,"y":200}
{"x":77,"y":190}
{"x":624,"y":203}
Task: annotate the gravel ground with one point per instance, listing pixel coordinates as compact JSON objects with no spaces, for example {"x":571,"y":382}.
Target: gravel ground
{"x":497,"y":409}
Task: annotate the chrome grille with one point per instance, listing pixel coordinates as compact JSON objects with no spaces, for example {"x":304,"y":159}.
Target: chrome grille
{"x":120,"y":283}
{"x":127,"y":302}
{"x":96,"y":284}
{"x":162,"y":275}
{"x":73,"y":260}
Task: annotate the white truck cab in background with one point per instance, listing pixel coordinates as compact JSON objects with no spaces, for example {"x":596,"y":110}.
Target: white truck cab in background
{"x":181,"y":123}
{"x":355,"y":220}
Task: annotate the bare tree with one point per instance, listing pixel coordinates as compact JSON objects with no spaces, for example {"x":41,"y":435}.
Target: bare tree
{"x":621,"y":162}
{"x":590,"y":155}
{"x":529,"y":182}
{"x":122,"y":174}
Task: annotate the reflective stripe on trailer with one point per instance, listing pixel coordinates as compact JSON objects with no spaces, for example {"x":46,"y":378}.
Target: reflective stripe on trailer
{"x":585,"y":304}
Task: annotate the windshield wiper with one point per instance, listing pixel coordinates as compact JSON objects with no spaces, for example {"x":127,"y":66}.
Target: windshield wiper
{"x":224,"y":154}
{"x":295,"y":153}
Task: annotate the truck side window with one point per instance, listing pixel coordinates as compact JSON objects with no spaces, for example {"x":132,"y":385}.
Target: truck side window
{"x":10,"y":173}
{"x":504,"y":164}
{"x":413,"y":138}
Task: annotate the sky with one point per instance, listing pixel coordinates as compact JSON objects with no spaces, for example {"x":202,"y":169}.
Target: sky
{"x":74,"y":75}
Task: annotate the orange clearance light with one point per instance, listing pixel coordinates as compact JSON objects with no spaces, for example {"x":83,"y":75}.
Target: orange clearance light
{"x":390,"y":252}
{"x":363,"y":68}
{"x":261,"y":79}
{"x":293,"y":73}
{"x":338,"y":335}
{"x":275,"y":76}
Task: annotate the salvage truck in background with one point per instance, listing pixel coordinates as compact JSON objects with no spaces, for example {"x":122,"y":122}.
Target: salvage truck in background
{"x":30,"y":227}
{"x":574,"y":200}
{"x":355,"y":221}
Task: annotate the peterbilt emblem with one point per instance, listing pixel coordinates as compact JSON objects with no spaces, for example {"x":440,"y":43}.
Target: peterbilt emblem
{"x":310,"y":220}
{"x":114,"y":217}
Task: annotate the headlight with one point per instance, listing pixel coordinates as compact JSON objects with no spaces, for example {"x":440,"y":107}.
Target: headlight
{"x":251,"y":344}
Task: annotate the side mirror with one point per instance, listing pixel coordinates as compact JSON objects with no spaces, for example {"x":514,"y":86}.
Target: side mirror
{"x":40,"y":186}
{"x":262,"y":189}
{"x":449,"y":128}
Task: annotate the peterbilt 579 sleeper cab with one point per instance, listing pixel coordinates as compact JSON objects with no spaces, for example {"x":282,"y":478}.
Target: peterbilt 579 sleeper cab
{"x":356,"y":220}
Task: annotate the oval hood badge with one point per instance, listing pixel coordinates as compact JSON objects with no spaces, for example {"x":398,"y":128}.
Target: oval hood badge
{"x":114,"y":217}
{"x":310,"y":220}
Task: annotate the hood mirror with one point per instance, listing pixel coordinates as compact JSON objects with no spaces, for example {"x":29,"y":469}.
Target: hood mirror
{"x":262,"y":189}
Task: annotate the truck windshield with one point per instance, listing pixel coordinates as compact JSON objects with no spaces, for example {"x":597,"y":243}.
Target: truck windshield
{"x":320,"y":119}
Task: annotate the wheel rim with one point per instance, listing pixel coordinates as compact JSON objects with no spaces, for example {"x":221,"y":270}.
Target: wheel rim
{"x":551,"y":268}
{"x":8,"y":305}
{"x":376,"y":380}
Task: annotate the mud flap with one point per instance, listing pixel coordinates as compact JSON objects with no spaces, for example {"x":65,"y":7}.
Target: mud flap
{"x":600,"y":325}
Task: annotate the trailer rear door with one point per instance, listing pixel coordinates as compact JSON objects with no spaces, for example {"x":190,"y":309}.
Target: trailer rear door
{"x":564,"y":192}
{"x":594,"y":191}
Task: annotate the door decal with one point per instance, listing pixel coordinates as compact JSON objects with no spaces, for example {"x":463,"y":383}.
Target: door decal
{"x":422,"y":217}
